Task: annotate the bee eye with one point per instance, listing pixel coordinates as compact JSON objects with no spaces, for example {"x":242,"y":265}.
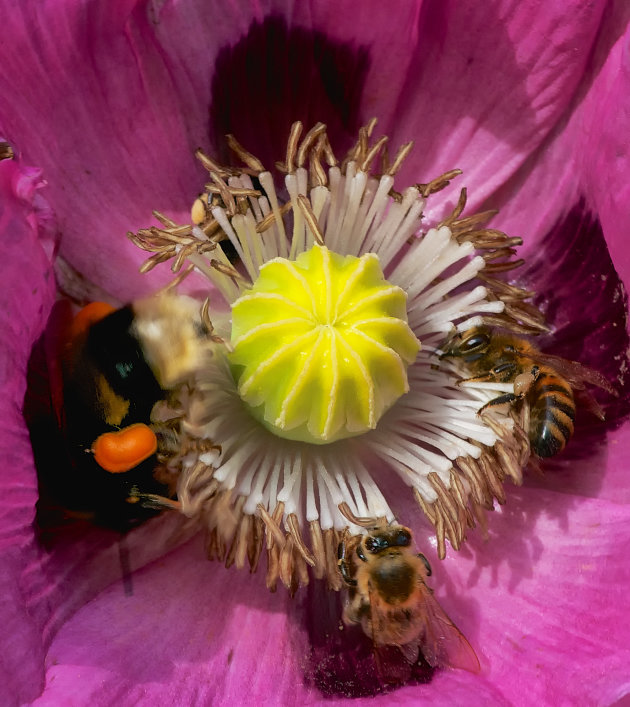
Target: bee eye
{"x":403,"y":538}
{"x":375,"y":545}
{"x":475,"y":342}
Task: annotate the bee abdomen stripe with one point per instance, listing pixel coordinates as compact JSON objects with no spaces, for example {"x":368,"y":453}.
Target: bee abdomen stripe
{"x":551,"y":421}
{"x":568,"y":410}
{"x":554,"y":388}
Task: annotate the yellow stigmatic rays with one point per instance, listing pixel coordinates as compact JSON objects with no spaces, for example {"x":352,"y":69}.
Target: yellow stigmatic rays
{"x":321,"y":345}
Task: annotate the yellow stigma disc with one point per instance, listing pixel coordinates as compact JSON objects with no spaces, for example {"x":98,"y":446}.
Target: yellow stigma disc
{"x":321,"y":345}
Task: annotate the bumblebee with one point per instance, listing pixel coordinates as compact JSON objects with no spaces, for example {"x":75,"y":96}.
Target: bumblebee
{"x":547,"y":383}
{"x":389,"y":597}
{"x":106,"y":370}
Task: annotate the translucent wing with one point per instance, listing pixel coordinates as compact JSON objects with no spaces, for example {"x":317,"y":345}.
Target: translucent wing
{"x":577,"y":374}
{"x":440,"y":641}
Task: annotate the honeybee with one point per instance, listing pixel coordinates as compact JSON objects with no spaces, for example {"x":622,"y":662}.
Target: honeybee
{"x":107,"y":368}
{"x":389,"y":597}
{"x":547,"y":383}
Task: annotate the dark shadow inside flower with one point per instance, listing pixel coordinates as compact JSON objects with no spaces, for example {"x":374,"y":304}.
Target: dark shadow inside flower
{"x":342,"y":661}
{"x":289,"y":74}
{"x":585,"y":303}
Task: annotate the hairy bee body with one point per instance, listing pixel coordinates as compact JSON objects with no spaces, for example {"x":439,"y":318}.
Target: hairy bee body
{"x":107,"y":368}
{"x":552,"y":413}
{"x":545,"y":382}
{"x":389,"y":598}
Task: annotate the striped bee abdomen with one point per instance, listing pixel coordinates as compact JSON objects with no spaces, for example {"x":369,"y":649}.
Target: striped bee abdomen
{"x":552,"y":413}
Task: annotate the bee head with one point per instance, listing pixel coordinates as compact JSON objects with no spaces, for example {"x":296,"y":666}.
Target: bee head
{"x":396,"y":536}
{"x":171,"y":335}
{"x":471,"y":345}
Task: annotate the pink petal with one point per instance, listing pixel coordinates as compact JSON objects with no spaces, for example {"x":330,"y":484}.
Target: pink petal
{"x":488,"y":83}
{"x":180,"y":639}
{"x":135,"y":87}
{"x":542,"y":603}
{"x":40,"y":587}
{"x":26,"y":294}
{"x":605,"y":151}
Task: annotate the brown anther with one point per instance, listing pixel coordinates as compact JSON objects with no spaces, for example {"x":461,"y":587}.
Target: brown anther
{"x":270,"y":218}
{"x":164,"y":220}
{"x":154,"y":260}
{"x":255,"y":543}
{"x":293,"y":524}
{"x":241,"y":540}
{"x":310,"y":138}
{"x":274,"y":532}
{"x":6,"y":151}
{"x":292,"y":146}
{"x":181,"y":257}
{"x":229,"y":203}
{"x":234,"y":191}
{"x":273,"y":568}
{"x":400,"y":157}
{"x":228,"y":270}
{"x":459,"y":207}
{"x":496,"y":253}
{"x":210,"y":164}
{"x":371,"y":124}
{"x":317,"y":173}
{"x":211,"y":227}
{"x":361,"y":521}
{"x":439,"y":183}
{"x":439,"y":534}
{"x":491,"y":474}
{"x":286,"y":565}
{"x":505,"y":289}
{"x":318,"y":549}
{"x":176,"y":281}
{"x":506,"y":322}
{"x":398,"y":197}
{"x":205,"y":316}
{"x":448,"y":502}
{"x":310,"y":218}
{"x":372,"y":153}
{"x":427,"y":508}
{"x":468,"y":223}
{"x":246,"y":157}
{"x":451,"y":529}
{"x":503,"y":267}
{"x":327,"y":150}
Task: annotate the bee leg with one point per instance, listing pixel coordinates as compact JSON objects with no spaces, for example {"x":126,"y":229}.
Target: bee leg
{"x":342,"y":563}
{"x":507,"y":398}
{"x":501,"y":373}
{"x":426,"y":564}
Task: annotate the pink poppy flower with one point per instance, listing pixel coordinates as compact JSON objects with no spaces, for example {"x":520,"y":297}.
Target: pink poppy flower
{"x":104,"y":105}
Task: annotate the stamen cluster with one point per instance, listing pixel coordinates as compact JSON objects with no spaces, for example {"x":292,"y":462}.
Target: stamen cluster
{"x":294,"y":493}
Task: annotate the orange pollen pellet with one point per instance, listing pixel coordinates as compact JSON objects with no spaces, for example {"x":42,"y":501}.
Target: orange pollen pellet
{"x":122,"y":450}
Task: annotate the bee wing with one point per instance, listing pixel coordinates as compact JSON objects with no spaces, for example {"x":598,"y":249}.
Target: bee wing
{"x":441,"y":642}
{"x":577,"y":374}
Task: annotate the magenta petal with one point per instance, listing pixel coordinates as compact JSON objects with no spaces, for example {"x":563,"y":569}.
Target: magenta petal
{"x":606,"y":151}
{"x":488,"y":83}
{"x":542,"y":601}
{"x":105,"y":120}
{"x":182,"y":638}
{"x":26,"y":295}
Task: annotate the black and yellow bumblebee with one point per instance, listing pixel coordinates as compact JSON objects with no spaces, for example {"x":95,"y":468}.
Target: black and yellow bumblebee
{"x":105,"y":370}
